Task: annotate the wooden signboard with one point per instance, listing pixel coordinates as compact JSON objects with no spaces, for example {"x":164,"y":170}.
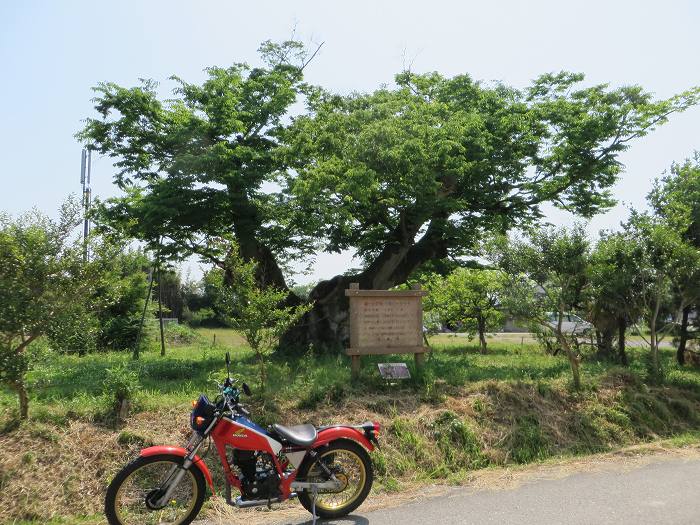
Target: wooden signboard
{"x":385,"y":322}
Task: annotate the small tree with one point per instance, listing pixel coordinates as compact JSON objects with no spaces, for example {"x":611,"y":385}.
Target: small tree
{"x":470,"y":298}
{"x":676,"y":199}
{"x":547,"y":275}
{"x":41,"y":281}
{"x":614,"y":288}
{"x":258,"y":312}
{"x":120,"y":287}
{"x":667,"y":263}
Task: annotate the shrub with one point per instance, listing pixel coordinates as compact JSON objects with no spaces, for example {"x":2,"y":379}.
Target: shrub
{"x":527,"y":441}
{"x":457,"y":442}
{"x":122,"y":385}
{"x":180,"y":334}
{"x":202,"y":317}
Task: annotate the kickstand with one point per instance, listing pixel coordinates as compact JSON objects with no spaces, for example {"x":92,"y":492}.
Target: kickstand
{"x":314,"y":495}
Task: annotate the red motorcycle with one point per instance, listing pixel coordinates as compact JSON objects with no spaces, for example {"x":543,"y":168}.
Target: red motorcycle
{"x":327,"y":468}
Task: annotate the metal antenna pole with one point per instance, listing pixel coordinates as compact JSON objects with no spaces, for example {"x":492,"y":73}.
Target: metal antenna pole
{"x":86,"y":161}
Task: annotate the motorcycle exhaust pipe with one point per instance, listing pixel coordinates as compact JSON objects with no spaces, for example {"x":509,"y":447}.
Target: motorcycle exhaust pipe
{"x":241,"y":503}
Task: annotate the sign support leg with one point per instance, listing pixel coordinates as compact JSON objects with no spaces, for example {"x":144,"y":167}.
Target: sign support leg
{"x":420,"y":360}
{"x":355,"y":366}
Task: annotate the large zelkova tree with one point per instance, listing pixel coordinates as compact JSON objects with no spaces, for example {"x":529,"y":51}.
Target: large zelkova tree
{"x":548,"y":277}
{"x":401,"y":176}
{"x":203,"y":165}
{"x":42,"y":284}
{"x":676,"y":199}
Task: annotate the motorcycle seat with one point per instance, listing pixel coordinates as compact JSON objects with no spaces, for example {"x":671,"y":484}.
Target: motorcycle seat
{"x":302,"y":435}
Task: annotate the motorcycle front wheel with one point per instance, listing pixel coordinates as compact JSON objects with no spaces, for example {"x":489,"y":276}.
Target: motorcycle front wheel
{"x":128,"y":496}
{"x":351,"y":465}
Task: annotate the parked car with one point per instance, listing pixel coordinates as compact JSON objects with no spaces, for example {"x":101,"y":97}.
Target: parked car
{"x":570,"y":324}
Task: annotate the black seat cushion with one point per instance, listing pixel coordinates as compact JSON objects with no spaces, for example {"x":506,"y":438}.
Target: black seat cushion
{"x":302,"y":435}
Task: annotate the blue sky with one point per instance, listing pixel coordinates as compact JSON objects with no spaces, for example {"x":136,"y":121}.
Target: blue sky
{"x":52,"y":53}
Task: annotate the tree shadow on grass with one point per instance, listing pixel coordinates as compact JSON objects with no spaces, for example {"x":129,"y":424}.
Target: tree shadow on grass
{"x":166,"y":376}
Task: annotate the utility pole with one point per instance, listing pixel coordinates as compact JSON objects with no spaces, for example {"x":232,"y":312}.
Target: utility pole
{"x":86,"y":162}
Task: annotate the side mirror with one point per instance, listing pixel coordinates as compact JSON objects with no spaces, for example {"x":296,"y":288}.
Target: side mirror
{"x":246,"y":389}
{"x":228,"y":369}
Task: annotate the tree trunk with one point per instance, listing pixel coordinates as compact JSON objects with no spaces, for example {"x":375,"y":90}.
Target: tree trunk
{"x":326,"y":324}
{"x":574,"y":361}
{"x":621,"y":331}
{"x":680,"y":353}
{"x":482,"y":336}
{"x":160,"y":312}
{"x":570,"y":354}
{"x":653,"y":340}
{"x":605,"y":344}
{"x":246,"y":223}
{"x":18,"y":383}
{"x":263,"y":371}
{"x":18,"y":386}
{"x":135,"y":355}
{"x":606,"y":326}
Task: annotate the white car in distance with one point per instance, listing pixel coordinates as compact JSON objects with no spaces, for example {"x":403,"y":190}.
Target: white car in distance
{"x":570,"y":323}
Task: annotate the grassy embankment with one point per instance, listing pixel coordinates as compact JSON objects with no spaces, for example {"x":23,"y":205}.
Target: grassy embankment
{"x":465,"y":411}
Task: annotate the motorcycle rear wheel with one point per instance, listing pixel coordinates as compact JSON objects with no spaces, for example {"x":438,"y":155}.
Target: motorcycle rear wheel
{"x":352,"y":465}
{"x":125,"y":502}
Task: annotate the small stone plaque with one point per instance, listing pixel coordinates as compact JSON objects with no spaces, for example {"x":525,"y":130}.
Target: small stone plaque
{"x":394,"y":371}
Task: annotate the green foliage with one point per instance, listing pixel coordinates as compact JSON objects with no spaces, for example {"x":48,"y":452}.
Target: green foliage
{"x":548,"y":275}
{"x":202,"y":317}
{"x":76,"y":329}
{"x":457,"y":442}
{"x":457,"y":156}
{"x":401,"y":175}
{"x":193,"y":167}
{"x":259,"y":313}
{"x":180,"y":334}
{"x":42,"y":284}
{"x":667,"y":267}
{"x":128,"y":438}
{"x":121,"y":285}
{"x":614,"y":286}
{"x":468,"y":299}
{"x":676,"y":198}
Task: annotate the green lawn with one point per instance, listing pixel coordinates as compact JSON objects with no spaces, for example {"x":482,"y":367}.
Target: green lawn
{"x":71,"y":385}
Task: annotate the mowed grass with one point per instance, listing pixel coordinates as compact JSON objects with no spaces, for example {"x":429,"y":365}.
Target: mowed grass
{"x":463,"y":411}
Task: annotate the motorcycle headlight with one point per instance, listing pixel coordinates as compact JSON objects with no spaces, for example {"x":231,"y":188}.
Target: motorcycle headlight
{"x":202,"y":413}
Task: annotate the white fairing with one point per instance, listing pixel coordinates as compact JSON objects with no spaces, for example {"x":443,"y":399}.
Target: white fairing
{"x":295,"y":458}
{"x":275,"y":445}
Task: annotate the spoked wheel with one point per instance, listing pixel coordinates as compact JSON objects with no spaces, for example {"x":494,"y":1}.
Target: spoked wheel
{"x":133,"y":494}
{"x":352,"y":466}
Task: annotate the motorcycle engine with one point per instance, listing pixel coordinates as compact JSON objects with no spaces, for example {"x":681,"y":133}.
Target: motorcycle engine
{"x":258,"y":475}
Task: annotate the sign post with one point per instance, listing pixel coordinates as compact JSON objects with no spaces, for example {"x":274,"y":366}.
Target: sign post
{"x":385,"y":322}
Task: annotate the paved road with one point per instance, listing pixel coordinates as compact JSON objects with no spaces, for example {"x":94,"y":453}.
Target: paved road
{"x":665,"y":492}
{"x":527,"y":337}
